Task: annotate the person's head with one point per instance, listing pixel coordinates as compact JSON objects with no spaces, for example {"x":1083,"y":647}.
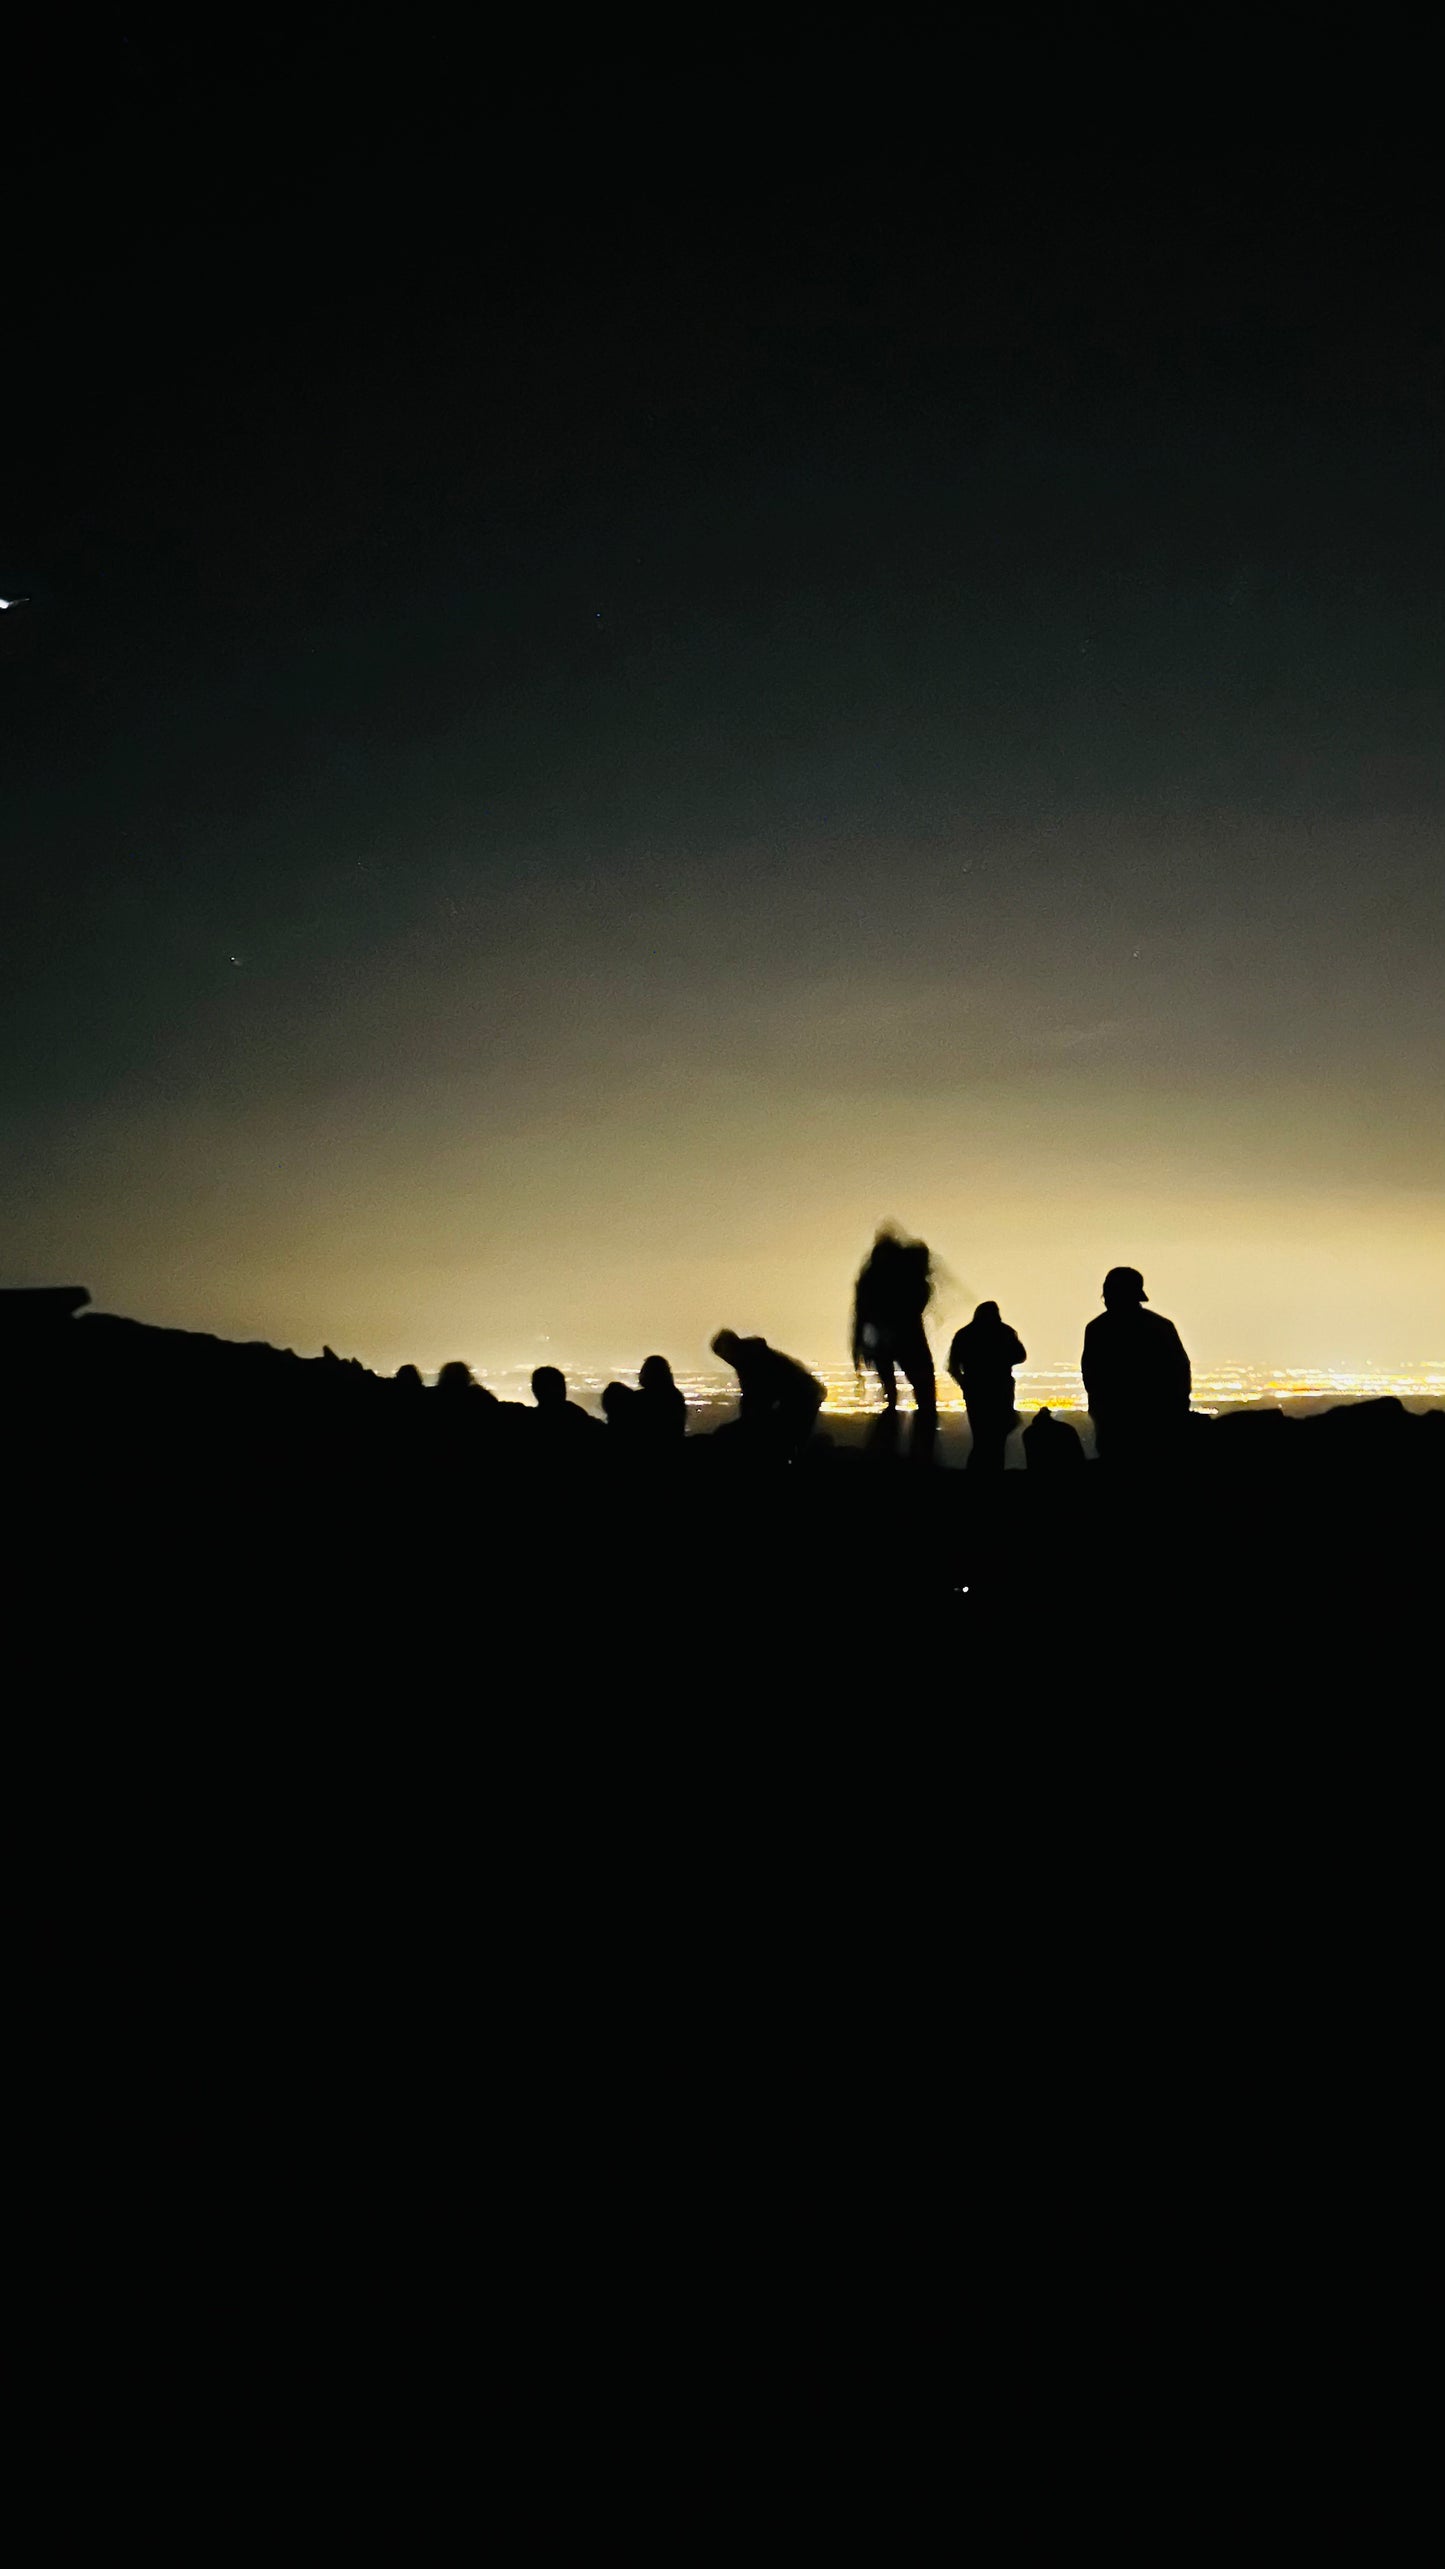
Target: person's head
{"x":407,"y":1379}
{"x":1123,"y":1289}
{"x":549,"y":1387}
{"x":656,"y":1374}
{"x":881,"y":1263}
{"x":986,"y":1311}
{"x":726,"y":1344}
{"x":615,"y":1398}
{"x":455,"y":1378}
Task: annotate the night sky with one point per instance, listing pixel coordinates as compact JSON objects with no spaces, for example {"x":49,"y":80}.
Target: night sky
{"x":598,"y":714}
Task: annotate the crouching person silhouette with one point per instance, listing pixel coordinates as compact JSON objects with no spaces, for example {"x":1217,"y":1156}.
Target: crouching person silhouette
{"x":779,"y":1399}
{"x":1051,"y":1445}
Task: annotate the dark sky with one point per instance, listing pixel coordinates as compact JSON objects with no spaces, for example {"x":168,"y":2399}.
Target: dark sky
{"x":606,"y":703}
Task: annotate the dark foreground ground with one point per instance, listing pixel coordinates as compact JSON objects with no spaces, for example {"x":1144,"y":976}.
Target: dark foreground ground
{"x":606,"y":1945}
{"x":274,"y":1625}
{"x":215,"y":1532}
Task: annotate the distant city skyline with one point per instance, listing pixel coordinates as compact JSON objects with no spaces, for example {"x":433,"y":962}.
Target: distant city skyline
{"x":1061,"y":1386}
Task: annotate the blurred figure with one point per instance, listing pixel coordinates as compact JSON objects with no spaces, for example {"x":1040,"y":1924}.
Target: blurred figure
{"x":1051,"y":1445}
{"x":456,"y":1381}
{"x":893,"y":1291}
{"x":981,"y":1361}
{"x":779,"y":1399}
{"x":560,"y":1422}
{"x":1136,"y":1376}
{"x":462,"y":1420}
{"x":661,"y":1409}
{"x":407,"y":1379}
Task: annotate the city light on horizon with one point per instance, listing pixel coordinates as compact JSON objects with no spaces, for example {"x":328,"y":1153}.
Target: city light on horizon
{"x":1056,"y":1387}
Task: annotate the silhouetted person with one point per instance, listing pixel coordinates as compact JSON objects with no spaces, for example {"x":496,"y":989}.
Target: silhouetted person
{"x":779,"y":1399}
{"x":461,"y":1420}
{"x":892,"y":1293}
{"x":1051,"y":1445}
{"x":461,"y":1408}
{"x":661,"y":1410}
{"x":560,"y":1422}
{"x":456,"y":1381}
{"x":981,"y":1361}
{"x":407,"y":1379}
{"x":619,"y":1408}
{"x":1136,"y":1376}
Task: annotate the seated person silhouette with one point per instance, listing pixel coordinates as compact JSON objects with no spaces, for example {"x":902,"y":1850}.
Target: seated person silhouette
{"x":894,"y":1288}
{"x":619,"y":1408}
{"x":559,"y":1421}
{"x":1136,"y":1376}
{"x":1051,"y":1445}
{"x":462,"y":1416}
{"x":779,"y":1399}
{"x":981,"y":1361}
{"x":456,"y":1381}
{"x":661,"y":1411}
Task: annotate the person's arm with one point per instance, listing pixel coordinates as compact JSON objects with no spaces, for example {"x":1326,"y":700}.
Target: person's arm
{"x":1020,"y":1351}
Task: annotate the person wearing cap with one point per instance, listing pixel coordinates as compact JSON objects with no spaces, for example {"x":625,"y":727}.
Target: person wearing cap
{"x":1136,"y":1374}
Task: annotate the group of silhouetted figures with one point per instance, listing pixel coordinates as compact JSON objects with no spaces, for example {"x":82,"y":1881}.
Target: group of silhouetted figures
{"x":1136,"y":1373}
{"x":1136,"y":1380}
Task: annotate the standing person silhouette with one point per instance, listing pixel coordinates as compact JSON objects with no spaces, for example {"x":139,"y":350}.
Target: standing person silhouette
{"x":893,"y":1291}
{"x":1136,"y":1376}
{"x":981,"y":1361}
